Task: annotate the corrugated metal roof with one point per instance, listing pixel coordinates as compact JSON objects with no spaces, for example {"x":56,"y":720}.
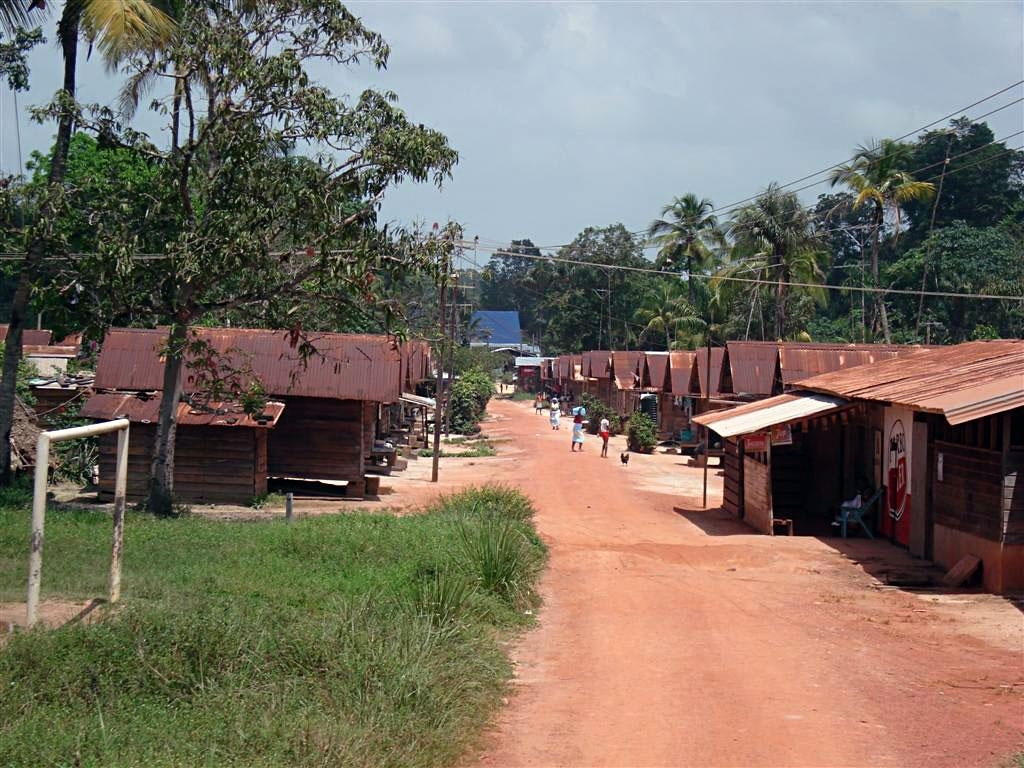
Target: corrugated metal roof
{"x":624,"y":367}
{"x":497,"y":327}
{"x":963,"y":382}
{"x":49,"y":350}
{"x":802,"y":360}
{"x":425,"y":402}
{"x":346,"y":366}
{"x":416,"y":362}
{"x":717,"y":356}
{"x":755,"y":417}
{"x":530,"y":362}
{"x":146,"y":410}
{"x":655,"y":371}
{"x":595,"y":364}
{"x":680,"y":370}
{"x":29,"y":336}
{"x":753,"y":366}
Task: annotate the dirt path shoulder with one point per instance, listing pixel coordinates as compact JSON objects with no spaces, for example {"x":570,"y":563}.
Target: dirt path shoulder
{"x":670,"y":636}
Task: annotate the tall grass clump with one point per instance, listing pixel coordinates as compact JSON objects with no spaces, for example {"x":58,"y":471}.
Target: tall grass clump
{"x":356,"y":640}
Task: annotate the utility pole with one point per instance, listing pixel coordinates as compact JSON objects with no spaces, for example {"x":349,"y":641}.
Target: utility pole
{"x":442,"y":289}
{"x":707,"y":432}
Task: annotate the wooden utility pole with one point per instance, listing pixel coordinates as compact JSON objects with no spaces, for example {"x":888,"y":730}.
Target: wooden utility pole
{"x":442,"y":290}
{"x":707,"y":432}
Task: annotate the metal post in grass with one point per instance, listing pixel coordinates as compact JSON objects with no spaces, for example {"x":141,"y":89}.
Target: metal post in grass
{"x":288,"y":510}
{"x":35,"y":558}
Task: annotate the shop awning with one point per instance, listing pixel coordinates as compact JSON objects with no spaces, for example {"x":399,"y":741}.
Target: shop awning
{"x":754,"y":417}
{"x":423,"y":402}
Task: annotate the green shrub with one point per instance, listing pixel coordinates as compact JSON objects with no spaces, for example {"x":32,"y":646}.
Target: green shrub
{"x":597,"y":410}
{"x":642,"y":434}
{"x":469,"y":397}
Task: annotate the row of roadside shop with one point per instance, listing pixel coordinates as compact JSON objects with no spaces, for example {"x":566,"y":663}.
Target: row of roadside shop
{"x":935,"y":435}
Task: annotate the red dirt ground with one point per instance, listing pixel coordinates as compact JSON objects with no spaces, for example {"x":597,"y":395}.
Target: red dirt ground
{"x":671,"y":636}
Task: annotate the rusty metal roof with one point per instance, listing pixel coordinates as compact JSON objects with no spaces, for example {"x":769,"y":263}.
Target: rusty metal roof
{"x":345,"y":367}
{"x":50,"y":350}
{"x":595,"y":364}
{"x":962,"y":382}
{"x":680,"y":370}
{"x":416,"y":362}
{"x":799,"y":360}
{"x":755,"y":417}
{"x":654,"y":373}
{"x":717,"y":357}
{"x":146,"y":410}
{"x":29,"y":336}
{"x":624,"y":368}
{"x":754,"y":367}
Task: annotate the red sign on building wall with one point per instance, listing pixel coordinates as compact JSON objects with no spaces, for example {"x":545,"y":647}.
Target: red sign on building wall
{"x":896,"y":521}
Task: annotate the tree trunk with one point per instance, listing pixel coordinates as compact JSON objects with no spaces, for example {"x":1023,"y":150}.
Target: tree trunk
{"x":161,"y":481}
{"x":880,"y":316}
{"x":13,"y":346}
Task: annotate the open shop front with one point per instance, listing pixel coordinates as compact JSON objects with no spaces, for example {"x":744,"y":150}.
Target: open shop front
{"x":798,"y":458}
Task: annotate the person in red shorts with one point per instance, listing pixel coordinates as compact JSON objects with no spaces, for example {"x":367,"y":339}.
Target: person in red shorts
{"x":605,"y":431}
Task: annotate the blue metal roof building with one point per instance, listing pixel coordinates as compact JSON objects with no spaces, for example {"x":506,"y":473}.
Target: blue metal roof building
{"x":498,"y":329}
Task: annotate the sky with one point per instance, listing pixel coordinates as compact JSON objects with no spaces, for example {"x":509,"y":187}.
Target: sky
{"x":569,"y":115}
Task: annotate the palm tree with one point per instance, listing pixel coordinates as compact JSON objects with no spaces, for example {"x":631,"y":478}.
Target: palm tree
{"x":666,"y":310}
{"x":116,"y":27}
{"x":687,"y":233}
{"x":875,"y":175}
{"x":775,"y":234}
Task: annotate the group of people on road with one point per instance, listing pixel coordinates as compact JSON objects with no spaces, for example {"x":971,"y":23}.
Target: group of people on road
{"x":579,"y":421}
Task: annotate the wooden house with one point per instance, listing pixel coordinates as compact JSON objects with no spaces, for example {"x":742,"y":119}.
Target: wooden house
{"x":220,"y":454}
{"x":938,"y":435}
{"x":623,"y":381}
{"x":331,"y":398}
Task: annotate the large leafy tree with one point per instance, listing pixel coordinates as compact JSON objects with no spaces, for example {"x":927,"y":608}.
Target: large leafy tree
{"x":981,"y":179}
{"x":971,"y":260}
{"x":254,"y":226}
{"x":775,"y":240}
{"x":586,"y":299}
{"x":510,"y":282}
{"x":687,"y":235}
{"x":117,"y":28}
{"x":878,"y":177}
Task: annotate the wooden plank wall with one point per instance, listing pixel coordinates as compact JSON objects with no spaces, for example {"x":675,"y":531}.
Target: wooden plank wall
{"x":970,"y":497}
{"x":731,"y":493}
{"x":318,"y":439}
{"x":789,"y":478}
{"x":757,"y":497}
{"x":671,"y":418}
{"x":51,"y":403}
{"x":212,"y":465}
{"x":369,"y":427}
{"x":1013,"y":498}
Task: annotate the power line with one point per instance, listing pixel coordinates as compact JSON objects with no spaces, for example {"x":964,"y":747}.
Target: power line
{"x":768,"y":282}
{"x":725,"y":209}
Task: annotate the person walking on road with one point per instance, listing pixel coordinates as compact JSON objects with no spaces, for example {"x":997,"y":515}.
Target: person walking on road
{"x":578,"y":419}
{"x":605,"y":431}
{"x":556,"y":413}
{"x":538,"y":403}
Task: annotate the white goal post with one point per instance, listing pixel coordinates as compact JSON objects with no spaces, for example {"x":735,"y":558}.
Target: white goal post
{"x":35,"y":559}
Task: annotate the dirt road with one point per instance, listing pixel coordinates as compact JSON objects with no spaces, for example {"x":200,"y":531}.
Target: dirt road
{"x":669,"y":636}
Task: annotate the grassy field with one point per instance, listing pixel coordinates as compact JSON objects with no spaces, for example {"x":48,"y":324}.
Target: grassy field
{"x":353,"y":640}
